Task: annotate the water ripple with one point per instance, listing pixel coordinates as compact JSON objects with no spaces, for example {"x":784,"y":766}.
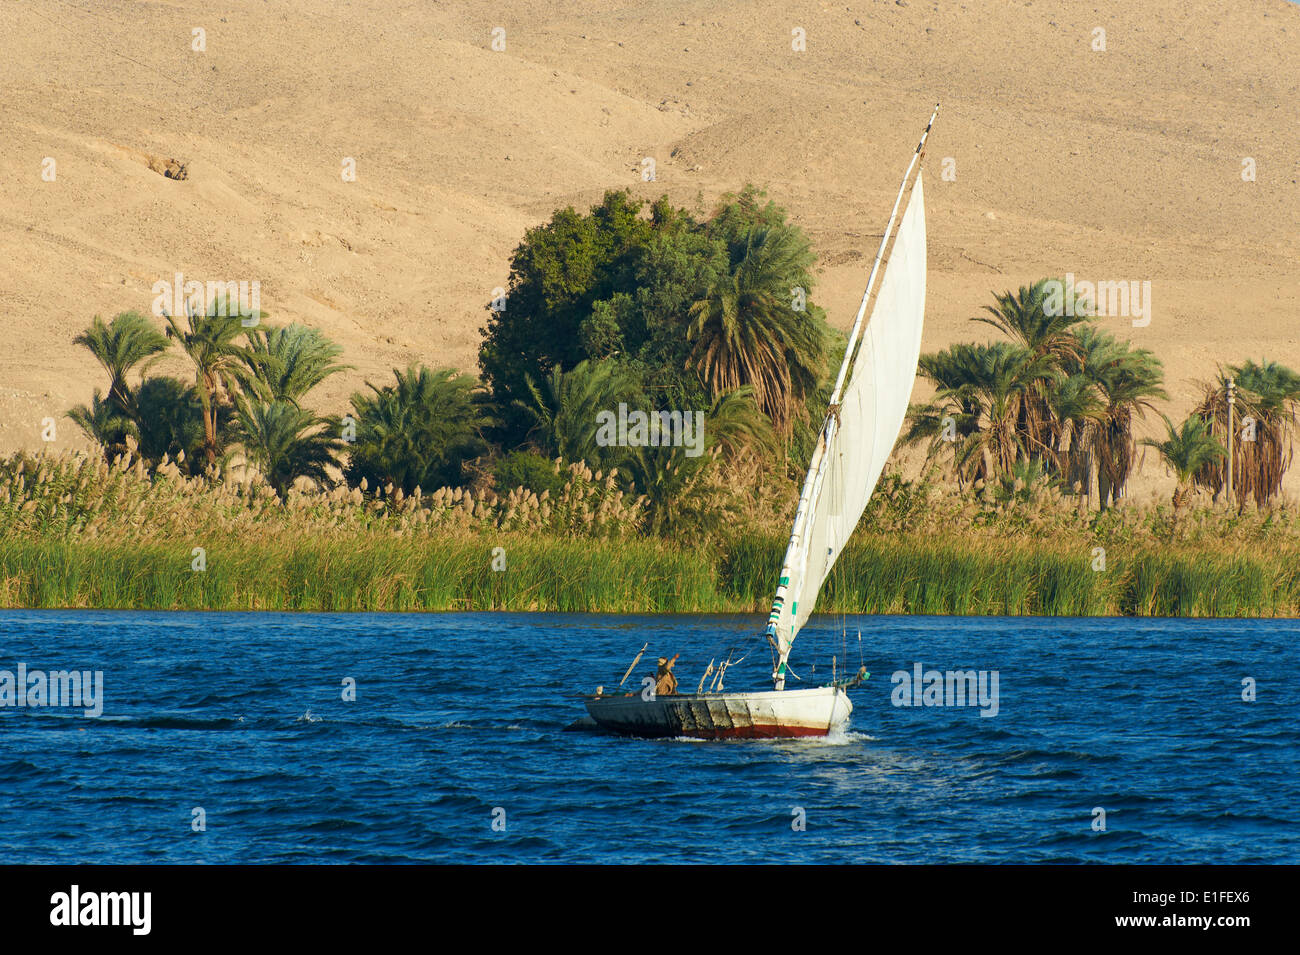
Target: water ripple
{"x":454,"y":745}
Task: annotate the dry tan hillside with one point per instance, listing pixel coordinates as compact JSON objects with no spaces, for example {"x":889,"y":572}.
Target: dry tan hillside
{"x":1122,"y":164}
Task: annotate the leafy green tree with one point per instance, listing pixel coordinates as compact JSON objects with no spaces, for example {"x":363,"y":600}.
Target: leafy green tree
{"x":616,"y":285}
{"x":418,"y":431}
{"x":603,"y":333}
{"x":557,"y":274}
{"x":740,"y":213}
{"x":677,"y":262}
{"x":672,"y":271}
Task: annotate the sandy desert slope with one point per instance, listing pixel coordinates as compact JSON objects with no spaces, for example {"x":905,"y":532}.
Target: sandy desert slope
{"x":1122,"y":164}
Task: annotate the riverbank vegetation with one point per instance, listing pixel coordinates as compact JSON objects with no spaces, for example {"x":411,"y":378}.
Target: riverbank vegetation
{"x":82,"y":533}
{"x":437,"y":490}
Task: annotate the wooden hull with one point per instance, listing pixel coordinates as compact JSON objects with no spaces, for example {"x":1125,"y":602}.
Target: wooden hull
{"x":764,"y":715}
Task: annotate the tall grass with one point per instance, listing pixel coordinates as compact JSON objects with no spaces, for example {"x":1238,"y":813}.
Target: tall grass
{"x":372,"y":574}
{"x":77,"y":533}
{"x":905,"y":575}
{"x":917,"y":574}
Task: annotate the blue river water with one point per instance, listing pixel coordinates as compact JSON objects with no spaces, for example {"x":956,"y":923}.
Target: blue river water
{"x":457,"y":747}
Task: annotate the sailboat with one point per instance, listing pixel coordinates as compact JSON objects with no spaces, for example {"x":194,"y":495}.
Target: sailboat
{"x":865,"y":415}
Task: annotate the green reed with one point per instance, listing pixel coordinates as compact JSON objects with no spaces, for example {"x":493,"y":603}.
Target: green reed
{"x":910,"y":574}
{"x":376,"y":573}
{"x":76,"y":532}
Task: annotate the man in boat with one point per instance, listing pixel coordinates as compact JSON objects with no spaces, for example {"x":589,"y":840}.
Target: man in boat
{"x":665,"y":681}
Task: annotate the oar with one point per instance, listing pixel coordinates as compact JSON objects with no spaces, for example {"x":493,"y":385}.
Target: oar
{"x":633,"y":666}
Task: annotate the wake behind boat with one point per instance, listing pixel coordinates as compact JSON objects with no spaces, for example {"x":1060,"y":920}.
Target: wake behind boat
{"x":864,"y":417}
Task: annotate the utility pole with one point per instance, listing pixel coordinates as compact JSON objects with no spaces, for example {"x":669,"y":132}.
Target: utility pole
{"x":1232,"y":400}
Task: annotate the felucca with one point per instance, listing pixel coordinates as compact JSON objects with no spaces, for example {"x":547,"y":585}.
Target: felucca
{"x":867,"y":407}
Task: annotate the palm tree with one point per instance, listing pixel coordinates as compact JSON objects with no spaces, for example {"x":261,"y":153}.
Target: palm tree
{"x":565,"y":407}
{"x":105,"y":424}
{"x":285,"y":442}
{"x":419,"y":431}
{"x":952,"y":371}
{"x":664,"y":477}
{"x":127,"y":342}
{"x":169,"y":422}
{"x":1026,"y":317}
{"x":1076,"y":412}
{"x":745,"y":331}
{"x":1269,"y":393}
{"x":736,"y":426}
{"x":1079,"y":407}
{"x":674,"y":480}
{"x":1127,"y":379}
{"x":982,"y":388}
{"x":289,"y":361}
{"x":221,"y":367}
{"x":1032,"y":318}
{"x":1025,"y":483}
{"x":1186,"y":451}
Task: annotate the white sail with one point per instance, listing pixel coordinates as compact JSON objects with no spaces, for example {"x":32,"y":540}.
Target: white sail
{"x":872,"y":409}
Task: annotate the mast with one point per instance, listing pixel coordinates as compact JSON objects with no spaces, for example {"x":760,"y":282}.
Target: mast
{"x":816,"y":467}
